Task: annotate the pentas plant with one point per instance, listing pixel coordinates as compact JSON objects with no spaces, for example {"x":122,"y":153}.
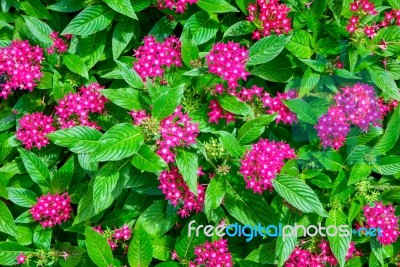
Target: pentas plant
{"x":171,"y":132}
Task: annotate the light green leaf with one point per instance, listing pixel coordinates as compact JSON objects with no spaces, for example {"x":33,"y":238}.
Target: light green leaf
{"x":240,"y":28}
{"x":166,"y":102}
{"x":122,"y":35}
{"x":188,"y":166}
{"x":302,"y":109}
{"x":267,"y":49}
{"x":147,"y":160}
{"x":9,"y":252}
{"x":7,"y":224}
{"x":157,"y":219}
{"x":203,"y":26}
{"x":125,"y":97}
{"x":300,"y":44}
{"x":35,"y":167}
{"x":298,"y":194}
{"x":216,"y":6}
{"x":338,"y":244}
{"x":75,"y":64}
{"x":231,"y":144}
{"x":360,"y":171}
{"x":234,"y":105}
{"x":140,"y":249}
{"x":130,"y":76}
{"x":67,"y":6}
{"x":62,"y":178}
{"x":384,"y":80}
{"x":98,"y":249}
{"x":91,"y":20}
{"x":388,"y":165}
{"x":105,"y":188}
{"x":215,"y":193}
{"x":22,"y":197}
{"x":308,"y":82}
{"x":122,"y":6}
{"x":78,"y":139}
{"x":253,"y":129}
{"x":119,"y":142}
{"x":391,"y":135}
{"x":40,"y":30}
{"x":91,"y":48}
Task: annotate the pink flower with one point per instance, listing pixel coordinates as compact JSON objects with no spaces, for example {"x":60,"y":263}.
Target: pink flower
{"x":59,"y":45}
{"x":19,"y":67}
{"x":249,"y":94}
{"x":113,"y":245}
{"x":52,"y":209}
{"x":177,"y":192}
{"x":139,"y":116}
{"x":74,"y":109}
{"x":263,"y":162}
{"x":271,"y":16}
{"x":333,"y":128}
{"x":379,"y":215}
{"x":154,"y":56}
{"x":123,"y":233}
{"x":228,"y":61}
{"x":276,"y":105}
{"x":178,"y":5}
{"x":213,"y":254}
{"x":363,"y":5}
{"x":33,"y":130}
{"x":176,"y":130}
{"x":98,"y":229}
{"x":21,"y":258}
{"x":217,"y":112}
{"x":360,"y":105}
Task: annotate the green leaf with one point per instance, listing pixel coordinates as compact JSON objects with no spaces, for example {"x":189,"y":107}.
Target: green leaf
{"x":246,"y":207}
{"x":264,"y":254}
{"x":394,"y":3}
{"x":122,"y":6}
{"x":280,"y":70}
{"x":331,"y":160}
{"x":391,"y":35}
{"x":91,"y":48}
{"x":67,"y":6}
{"x":122,"y":35}
{"x":35,"y":167}
{"x":85,"y":209}
{"x":140,"y":249}
{"x":231,"y":144}
{"x":384,"y":80}
{"x":302,"y":109}
{"x":254,"y":128}
{"x":338,"y":244}
{"x":216,"y":6}
{"x":203,"y":26}
{"x":147,"y":160}
{"x":308,"y":82}
{"x":62,"y":178}
{"x":35,"y":8}
{"x":240,"y":28}
{"x":130,"y":76}
{"x":360,"y":171}
{"x":98,"y":249}
{"x":388,"y":165}
{"x":215,"y":193}
{"x":75,"y":64}
{"x":22,"y":197}
{"x":91,"y":20}
{"x":163,"y":28}
{"x":298,"y":194}
{"x":166,"y":102}
{"x":9,"y":252}
{"x":391,"y":135}
{"x":267,"y":49}
{"x":105,"y":188}
{"x":188,"y":166}
{"x":75,"y":255}
{"x":163,"y":247}
{"x":126,"y":98}
{"x":185,"y":244}
{"x":42,"y":237}
{"x":300,"y":44}
{"x":234,"y":105}
{"x":189,"y":49}
{"x":78,"y":139}
{"x":40,"y":30}
{"x":157,"y":219}
{"x":7,"y":224}
{"x":119,"y":142}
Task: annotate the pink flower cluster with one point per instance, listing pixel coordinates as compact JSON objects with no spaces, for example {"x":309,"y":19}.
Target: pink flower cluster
{"x":304,"y":258}
{"x":177,"y":130}
{"x":248,"y":94}
{"x":139,"y":116}
{"x":75,"y":109}
{"x":362,"y":7}
{"x":59,"y":45}
{"x":228,"y":61}
{"x":357,"y":105}
{"x":276,"y":105}
{"x":271,"y":16}
{"x":33,"y":129}
{"x":263,"y":162}
{"x":177,"y":192}
{"x":217,"y":112}
{"x":154,"y":56}
{"x":52,"y":209}
{"x":121,"y":234}
{"x":178,"y":5}
{"x":379,"y":215}
{"x":19,"y":67}
{"x":213,"y":254}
